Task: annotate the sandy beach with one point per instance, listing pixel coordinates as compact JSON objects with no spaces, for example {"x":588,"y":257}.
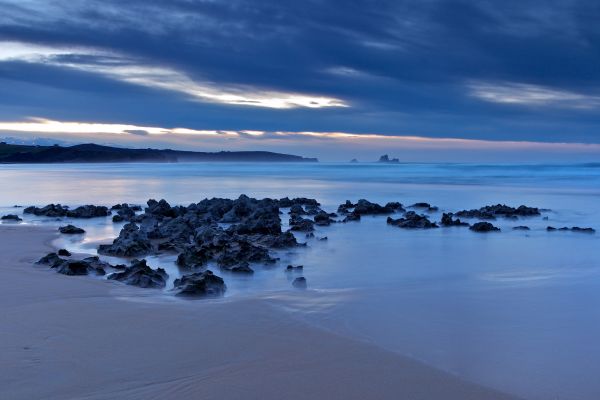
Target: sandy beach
{"x":76,"y":338}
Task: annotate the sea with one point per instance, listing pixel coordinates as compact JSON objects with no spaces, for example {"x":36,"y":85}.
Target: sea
{"x":514,"y":310}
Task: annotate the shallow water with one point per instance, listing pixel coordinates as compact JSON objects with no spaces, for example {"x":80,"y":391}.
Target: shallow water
{"x":516,"y":310}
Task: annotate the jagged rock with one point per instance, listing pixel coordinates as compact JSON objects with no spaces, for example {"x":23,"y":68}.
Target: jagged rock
{"x":299,"y":283}
{"x":51,"y":210}
{"x":499,"y":210}
{"x":140,"y":274}
{"x":521,"y":228}
{"x":11,"y":217}
{"x":117,"y":218}
{"x":72,"y":267}
{"x":64,"y":253}
{"x":242,"y":267}
{"x":386,"y":159}
{"x":131,"y":242}
{"x":365,"y":207}
{"x":88,"y":211}
{"x":412,"y":220}
{"x":160,"y":209}
{"x":70,"y":230}
{"x":50,"y":259}
{"x":483,"y":227}
{"x":200,"y":284}
{"x":297,"y":209}
{"x":300,"y":224}
{"x":351,"y":217}
{"x":323,"y":219}
{"x":448,"y":221}
{"x":303,"y":201}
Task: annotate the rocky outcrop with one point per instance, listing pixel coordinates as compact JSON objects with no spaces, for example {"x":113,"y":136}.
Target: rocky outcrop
{"x":412,"y":220}
{"x":141,"y":275}
{"x":64,"y":253}
{"x":483,"y":227}
{"x":51,"y":210}
{"x":70,"y":230}
{"x":72,"y":267}
{"x":132,"y":242}
{"x":200,"y":284}
{"x":300,"y":224}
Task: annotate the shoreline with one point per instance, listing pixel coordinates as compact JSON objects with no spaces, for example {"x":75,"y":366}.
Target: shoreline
{"x":71,"y":337}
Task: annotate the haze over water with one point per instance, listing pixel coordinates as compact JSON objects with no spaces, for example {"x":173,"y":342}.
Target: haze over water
{"x":514,"y":310}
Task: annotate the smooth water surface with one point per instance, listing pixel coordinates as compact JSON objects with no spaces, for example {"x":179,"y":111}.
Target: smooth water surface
{"x":516,"y":310}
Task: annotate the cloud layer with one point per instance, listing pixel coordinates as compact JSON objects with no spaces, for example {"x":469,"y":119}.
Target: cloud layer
{"x":516,"y":71}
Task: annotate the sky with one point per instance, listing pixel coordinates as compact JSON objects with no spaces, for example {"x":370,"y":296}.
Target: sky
{"x":426,"y":80}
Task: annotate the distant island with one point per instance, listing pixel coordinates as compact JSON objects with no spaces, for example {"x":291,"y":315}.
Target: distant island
{"x":93,"y":153}
{"x":386,"y":159}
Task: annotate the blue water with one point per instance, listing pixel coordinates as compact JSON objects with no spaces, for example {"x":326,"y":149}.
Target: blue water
{"x":518,"y":311}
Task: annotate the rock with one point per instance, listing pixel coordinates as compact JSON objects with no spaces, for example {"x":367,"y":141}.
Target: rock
{"x":117,"y":218}
{"x":132,"y":242}
{"x":365,"y":207}
{"x":160,"y":209}
{"x":299,"y":283}
{"x":573,"y":229}
{"x":51,"y":210}
{"x":50,"y":259}
{"x":297,"y":209}
{"x":583,"y":230}
{"x":412,"y":220}
{"x":303,"y":201}
{"x":448,"y":221}
{"x":351,"y":217}
{"x":354,"y":161}
{"x":72,"y":267}
{"x":242,"y":267}
{"x":141,"y":275}
{"x":300,"y":224}
{"x":386,"y":159}
{"x":88,"y":211}
{"x":322,"y":239}
{"x":11,"y":217}
{"x":499,"y":210}
{"x":64,"y":253}
{"x":290,"y":268}
{"x":200,"y":284}
{"x":426,"y":206}
{"x":521,"y":228}
{"x":483,"y":227}
{"x":70,"y":230}
{"x":323,"y":219}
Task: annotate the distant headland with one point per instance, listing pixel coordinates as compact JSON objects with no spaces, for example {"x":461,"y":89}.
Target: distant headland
{"x":93,"y":153}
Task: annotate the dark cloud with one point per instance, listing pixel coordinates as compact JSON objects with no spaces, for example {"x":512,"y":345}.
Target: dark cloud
{"x":409,"y":65}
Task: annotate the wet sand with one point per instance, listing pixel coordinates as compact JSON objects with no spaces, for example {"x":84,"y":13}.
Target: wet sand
{"x":84,"y":338}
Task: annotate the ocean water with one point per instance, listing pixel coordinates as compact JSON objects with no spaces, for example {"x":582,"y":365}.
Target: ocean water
{"x":514,"y":310}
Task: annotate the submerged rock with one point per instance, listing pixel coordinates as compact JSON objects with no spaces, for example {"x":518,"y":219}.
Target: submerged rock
{"x":483,"y":227}
{"x":141,"y":275}
{"x":299,"y":283}
{"x":426,"y":206}
{"x":573,"y":229}
{"x":521,"y":228}
{"x":70,"y":230}
{"x":200,"y":284}
{"x":50,"y":259}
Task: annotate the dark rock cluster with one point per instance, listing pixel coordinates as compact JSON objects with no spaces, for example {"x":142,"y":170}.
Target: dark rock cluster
{"x":71,"y":230}
{"x":57,"y":210}
{"x":499,"y":210}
